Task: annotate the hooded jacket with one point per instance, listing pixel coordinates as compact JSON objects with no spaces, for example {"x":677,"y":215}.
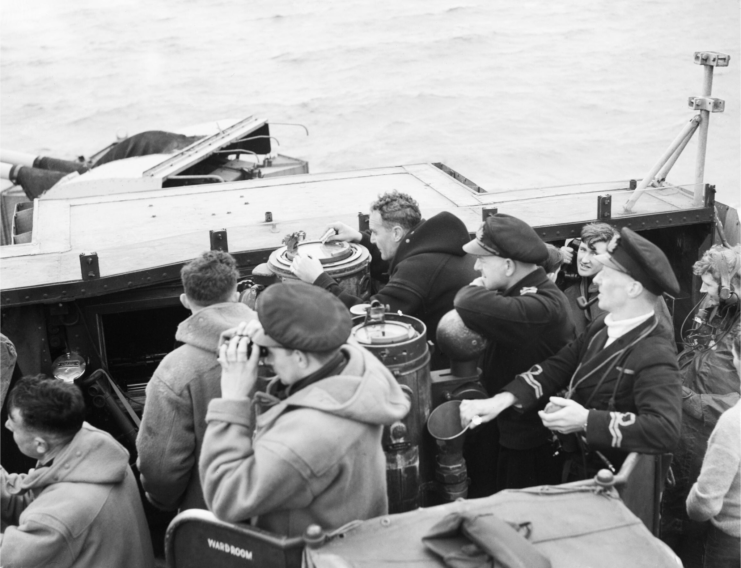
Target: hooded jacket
{"x":428,"y":269}
{"x":174,"y":419}
{"x":315,"y":457}
{"x":82,"y":511}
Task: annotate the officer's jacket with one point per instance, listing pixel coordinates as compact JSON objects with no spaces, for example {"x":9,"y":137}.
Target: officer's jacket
{"x":632,"y":388}
{"x":523,"y":325}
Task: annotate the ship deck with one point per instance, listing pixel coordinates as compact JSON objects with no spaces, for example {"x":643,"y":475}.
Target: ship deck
{"x":144,"y":229}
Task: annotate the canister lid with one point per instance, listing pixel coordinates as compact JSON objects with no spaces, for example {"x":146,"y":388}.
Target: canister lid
{"x":326,"y":252}
{"x":384,"y":333}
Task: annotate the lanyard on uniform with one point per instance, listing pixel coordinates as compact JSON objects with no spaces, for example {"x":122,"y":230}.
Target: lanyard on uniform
{"x":617,"y":357}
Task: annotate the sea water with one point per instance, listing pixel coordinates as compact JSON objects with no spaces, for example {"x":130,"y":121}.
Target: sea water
{"x":509,"y":94}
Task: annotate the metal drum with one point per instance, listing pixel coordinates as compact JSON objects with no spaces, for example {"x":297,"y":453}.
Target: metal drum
{"x":345,"y":262}
{"x":400,"y":343}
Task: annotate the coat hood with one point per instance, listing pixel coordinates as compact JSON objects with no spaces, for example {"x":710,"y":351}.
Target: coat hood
{"x":204,"y":327}
{"x":441,"y":233}
{"x":93,"y":456}
{"x":366,"y":391}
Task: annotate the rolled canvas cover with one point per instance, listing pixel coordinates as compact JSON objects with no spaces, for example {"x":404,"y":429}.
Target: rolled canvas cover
{"x":571,"y":527}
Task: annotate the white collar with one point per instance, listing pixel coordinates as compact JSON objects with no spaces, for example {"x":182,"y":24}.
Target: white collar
{"x":616,"y":329}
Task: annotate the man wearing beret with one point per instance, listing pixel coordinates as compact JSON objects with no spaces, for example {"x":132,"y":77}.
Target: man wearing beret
{"x":623,"y":390}
{"x":525,"y":319}
{"x":313,"y":453}
{"x":420,"y":261}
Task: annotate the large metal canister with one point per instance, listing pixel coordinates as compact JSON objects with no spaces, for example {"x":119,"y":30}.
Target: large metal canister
{"x":345,"y":262}
{"x":400,"y":343}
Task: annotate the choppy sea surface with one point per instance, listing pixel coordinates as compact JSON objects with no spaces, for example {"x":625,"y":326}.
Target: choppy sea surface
{"x":510,"y":94}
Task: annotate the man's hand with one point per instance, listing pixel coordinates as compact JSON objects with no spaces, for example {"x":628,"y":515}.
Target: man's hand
{"x":487,"y":409}
{"x":564,"y":416}
{"x":238,"y":373}
{"x":567,"y":253}
{"x":343,"y":233}
{"x":306,"y":268}
{"x":477,"y":282}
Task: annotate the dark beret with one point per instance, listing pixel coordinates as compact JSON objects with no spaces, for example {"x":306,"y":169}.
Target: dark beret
{"x":301,"y":316}
{"x":508,"y":237}
{"x":643,"y":261}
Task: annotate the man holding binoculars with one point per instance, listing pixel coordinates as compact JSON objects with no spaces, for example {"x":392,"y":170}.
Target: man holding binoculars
{"x":308,"y":449}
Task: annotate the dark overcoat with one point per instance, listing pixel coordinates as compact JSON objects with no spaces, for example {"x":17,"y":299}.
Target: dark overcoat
{"x":632,"y":388}
{"x":523,"y":325}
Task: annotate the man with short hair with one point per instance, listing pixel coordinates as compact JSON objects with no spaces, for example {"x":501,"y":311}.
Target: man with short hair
{"x":426,"y":264}
{"x":623,"y":391}
{"x":313,"y":454}
{"x":594,"y":240}
{"x":80,"y":506}
{"x":525,"y":319}
{"x":174,"y":421}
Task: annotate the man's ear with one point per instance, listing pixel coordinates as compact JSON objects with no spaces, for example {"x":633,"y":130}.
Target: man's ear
{"x":398,"y":233}
{"x":635,"y":289}
{"x":301,"y":358}
{"x":511,"y":267}
{"x":184,"y":300}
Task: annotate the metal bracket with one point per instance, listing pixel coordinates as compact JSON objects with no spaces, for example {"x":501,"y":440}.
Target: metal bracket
{"x":488,"y":211}
{"x":218,"y":240}
{"x":363,"y":222}
{"x":604,"y":207}
{"x":709,"y":195}
{"x":706,"y":103}
{"x":89,"y":265}
{"x":712,"y":58}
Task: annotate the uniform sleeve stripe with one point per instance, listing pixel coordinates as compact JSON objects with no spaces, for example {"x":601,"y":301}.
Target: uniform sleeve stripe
{"x":530,"y":380}
{"x":535,"y":385}
{"x":618,"y":419}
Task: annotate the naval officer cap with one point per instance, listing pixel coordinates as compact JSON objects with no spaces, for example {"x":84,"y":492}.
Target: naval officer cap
{"x":301,"y":316}
{"x":508,"y":237}
{"x":643,"y":261}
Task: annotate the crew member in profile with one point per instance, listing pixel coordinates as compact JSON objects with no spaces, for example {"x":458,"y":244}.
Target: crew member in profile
{"x":710,"y":386}
{"x":716,"y":495}
{"x":623,"y":391}
{"x":525,"y":319}
{"x":423,"y":259}
{"x":313,"y":453}
{"x":174,"y":420}
{"x":80,"y":505}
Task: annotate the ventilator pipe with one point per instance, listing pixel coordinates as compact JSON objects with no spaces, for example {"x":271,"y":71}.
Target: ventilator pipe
{"x":6,"y":170}
{"x":34,"y":181}
{"x":41,"y":162}
{"x":646,"y":181}
{"x":19,"y":158}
